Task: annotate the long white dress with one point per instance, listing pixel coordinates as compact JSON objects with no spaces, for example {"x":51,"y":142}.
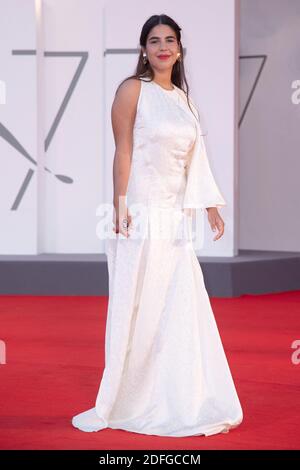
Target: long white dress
{"x":165,"y":372}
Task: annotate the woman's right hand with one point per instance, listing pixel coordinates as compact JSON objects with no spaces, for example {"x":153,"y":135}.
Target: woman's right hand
{"x":122,"y":220}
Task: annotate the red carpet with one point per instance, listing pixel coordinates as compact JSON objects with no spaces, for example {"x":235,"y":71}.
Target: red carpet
{"x":55,"y":359}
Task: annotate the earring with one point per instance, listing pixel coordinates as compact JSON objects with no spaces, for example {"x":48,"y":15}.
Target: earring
{"x":145,"y":58}
{"x":178,"y":56}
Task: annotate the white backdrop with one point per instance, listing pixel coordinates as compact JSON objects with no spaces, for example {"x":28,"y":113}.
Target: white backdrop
{"x":18,"y":128}
{"x":270,"y":130}
{"x":58,"y":107}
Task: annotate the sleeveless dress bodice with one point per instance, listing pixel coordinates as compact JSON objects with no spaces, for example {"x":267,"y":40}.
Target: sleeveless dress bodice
{"x":170,"y":166}
{"x":163,"y":136}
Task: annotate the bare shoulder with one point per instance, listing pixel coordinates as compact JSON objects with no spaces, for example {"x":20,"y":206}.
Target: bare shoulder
{"x":128,"y":92}
{"x":123,"y":111}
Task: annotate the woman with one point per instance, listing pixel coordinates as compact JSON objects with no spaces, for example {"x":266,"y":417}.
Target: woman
{"x":165,"y":372}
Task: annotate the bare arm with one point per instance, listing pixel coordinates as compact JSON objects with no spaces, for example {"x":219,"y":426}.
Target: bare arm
{"x":123,"y":114}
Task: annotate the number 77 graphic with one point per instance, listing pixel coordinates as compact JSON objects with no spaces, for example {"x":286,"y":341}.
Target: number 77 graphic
{"x":13,"y":141}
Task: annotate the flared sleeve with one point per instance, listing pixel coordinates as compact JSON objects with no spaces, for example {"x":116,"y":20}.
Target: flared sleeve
{"x":201,"y":190}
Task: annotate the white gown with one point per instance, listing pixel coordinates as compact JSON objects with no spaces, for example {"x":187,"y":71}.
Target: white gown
{"x":165,"y":372}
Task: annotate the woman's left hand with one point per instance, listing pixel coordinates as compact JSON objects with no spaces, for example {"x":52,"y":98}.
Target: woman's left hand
{"x":216,"y":221}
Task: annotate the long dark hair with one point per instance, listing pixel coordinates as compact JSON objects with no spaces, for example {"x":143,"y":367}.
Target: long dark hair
{"x":145,"y":70}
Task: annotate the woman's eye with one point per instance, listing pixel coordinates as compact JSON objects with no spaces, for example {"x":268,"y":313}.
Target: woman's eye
{"x":169,"y":40}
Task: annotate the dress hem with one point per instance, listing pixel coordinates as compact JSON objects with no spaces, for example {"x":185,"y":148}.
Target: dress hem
{"x":218,"y":429}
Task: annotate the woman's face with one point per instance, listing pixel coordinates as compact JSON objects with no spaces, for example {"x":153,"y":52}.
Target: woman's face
{"x":162,"y":47}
